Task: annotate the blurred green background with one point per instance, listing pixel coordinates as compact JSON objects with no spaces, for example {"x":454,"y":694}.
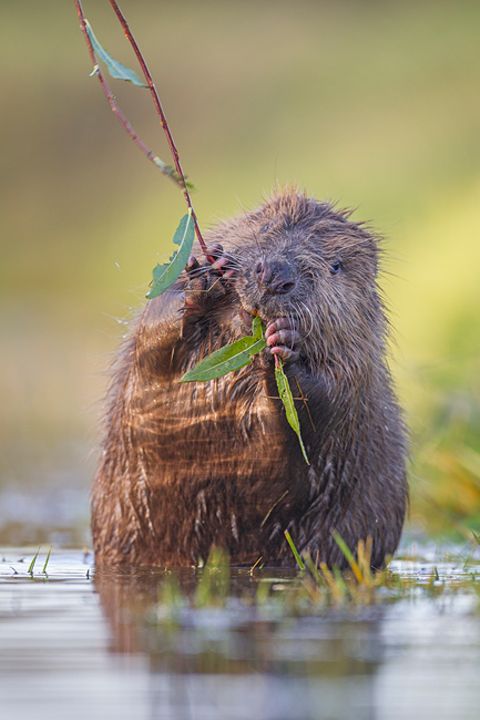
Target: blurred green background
{"x":373,"y":104}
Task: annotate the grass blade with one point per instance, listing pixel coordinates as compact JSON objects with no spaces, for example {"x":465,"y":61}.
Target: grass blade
{"x":348,"y":555}
{"x":294,"y":550}
{"x":45,"y":564}
{"x":313,"y":569}
{"x":33,"y":561}
{"x":166,"y":274}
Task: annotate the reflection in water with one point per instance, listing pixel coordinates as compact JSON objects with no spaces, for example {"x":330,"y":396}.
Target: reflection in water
{"x":77,"y":648}
{"x":238,"y":663}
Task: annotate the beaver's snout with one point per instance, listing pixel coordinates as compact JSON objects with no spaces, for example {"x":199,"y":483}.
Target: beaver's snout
{"x":275,"y":276}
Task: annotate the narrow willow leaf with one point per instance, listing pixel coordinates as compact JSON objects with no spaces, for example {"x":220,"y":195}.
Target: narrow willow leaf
{"x":166,"y":274}
{"x":170,"y":172}
{"x":287,"y":399}
{"x":227,"y":359}
{"x":116,"y":69}
{"x":257,"y":328}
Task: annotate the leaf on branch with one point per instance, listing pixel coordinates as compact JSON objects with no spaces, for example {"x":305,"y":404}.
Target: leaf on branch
{"x":239,"y":354}
{"x":286,"y":397}
{"x":166,"y":274}
{"x":170,"y":172}
{"x":230,"y":357}
{"x":116,"y":69}
{"x":257,"y":328}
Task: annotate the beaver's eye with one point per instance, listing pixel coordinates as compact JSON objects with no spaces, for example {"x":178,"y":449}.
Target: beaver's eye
{"x":335,"y":267}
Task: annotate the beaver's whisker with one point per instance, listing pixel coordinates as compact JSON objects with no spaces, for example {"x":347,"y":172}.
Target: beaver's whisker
{"x":308,"y":314}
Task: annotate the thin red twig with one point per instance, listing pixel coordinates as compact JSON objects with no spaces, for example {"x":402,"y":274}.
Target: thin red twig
{"x":125,"y":123}
{"x":158,"y":106}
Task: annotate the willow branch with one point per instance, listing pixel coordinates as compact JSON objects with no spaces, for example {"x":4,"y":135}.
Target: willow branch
{"x":167,"y":170}
{"x":161,"y":113}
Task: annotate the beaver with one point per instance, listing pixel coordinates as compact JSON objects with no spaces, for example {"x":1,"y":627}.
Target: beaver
{"x":189,"y":466}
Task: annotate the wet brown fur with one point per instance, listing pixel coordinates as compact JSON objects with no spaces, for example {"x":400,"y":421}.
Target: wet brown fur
{"x":188,"y":466}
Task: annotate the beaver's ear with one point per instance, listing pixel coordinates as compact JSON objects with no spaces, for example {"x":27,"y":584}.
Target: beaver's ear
{"x":370,"y":244}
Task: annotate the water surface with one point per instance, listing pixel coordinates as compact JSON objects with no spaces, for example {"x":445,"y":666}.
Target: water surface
{"x":79,"y":646}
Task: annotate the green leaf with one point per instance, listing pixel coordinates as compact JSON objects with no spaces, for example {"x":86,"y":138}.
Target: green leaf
{"x":287,"y":399}
{"x":293,"y":548}
{"x":171,"y":172}
{"x":33,"y":561}
{"x":166,"y":274}
{"x":45,"y":564}
{"x":348,"y":555}
{"x":116,"y":69}
{"x":227,"y":359}
{"x":257,"y":328}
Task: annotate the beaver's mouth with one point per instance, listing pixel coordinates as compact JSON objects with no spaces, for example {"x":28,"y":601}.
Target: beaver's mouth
{"x":268,"y":306}
{"x":247,"y":314}
{"x":268,"y":312}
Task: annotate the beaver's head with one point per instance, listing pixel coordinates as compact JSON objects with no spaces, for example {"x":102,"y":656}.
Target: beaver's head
{"x":302,"y":259}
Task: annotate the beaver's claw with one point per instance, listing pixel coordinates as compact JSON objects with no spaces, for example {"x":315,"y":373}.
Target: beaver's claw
{"x":207,"y":281}
{"x":283,"y":339}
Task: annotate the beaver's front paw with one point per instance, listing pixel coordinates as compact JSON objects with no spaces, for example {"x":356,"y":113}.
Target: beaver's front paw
{"x":207,"y":282}
{"x":283,"y":339}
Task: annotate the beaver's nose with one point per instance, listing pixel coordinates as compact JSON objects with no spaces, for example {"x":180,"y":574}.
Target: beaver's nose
{"x":275,"y":276}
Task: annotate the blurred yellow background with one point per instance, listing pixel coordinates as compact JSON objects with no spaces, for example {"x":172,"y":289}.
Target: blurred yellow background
{"x":375,"y":105}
